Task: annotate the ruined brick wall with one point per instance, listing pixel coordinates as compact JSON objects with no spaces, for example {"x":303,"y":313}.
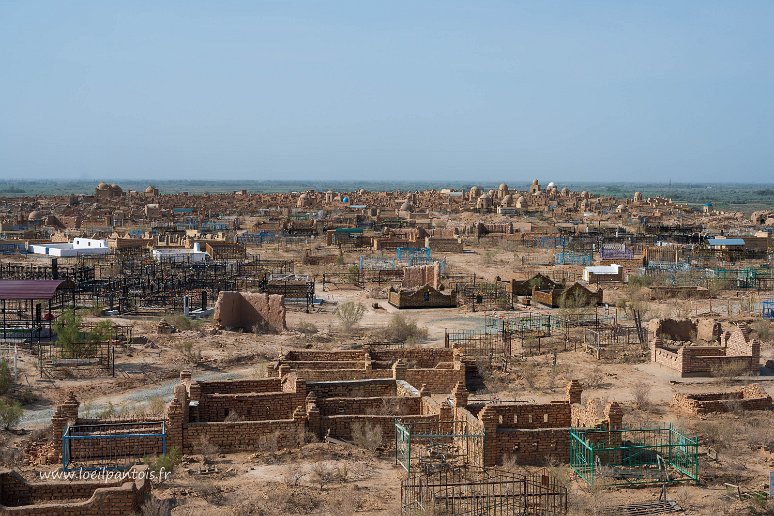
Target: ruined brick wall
{"x":420,"y":275}
{"x":90,"y":498}
{"x":386,"y":405}
{"x":243,"y":435}
{"x":240,"y":386}
{"x":249,"y":407}
{"x":137,"y":447}
{"x":437,"y":380}
{"x":751,"y":397}
{"x":314,"y":355}
{"x":702,"y":360}
{"x":444,"y":245}
{"x":341,"y":426}
{"x":674,"y":329}
{"x":324,"y":364}
{"x":357,"y":388}
{"x":422,"y":297}
{"x":414,"y":357}
{"x":248,"y":310}
{"x":335,"y":375}
{"x":739,"y":343}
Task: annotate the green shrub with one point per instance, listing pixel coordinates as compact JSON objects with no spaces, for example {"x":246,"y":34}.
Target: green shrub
{"x":10,"y":414}
{"x":350,"y":314}
{"x":167,"y":461}
{"x":6,"y":378}
{"x":403,"y":329}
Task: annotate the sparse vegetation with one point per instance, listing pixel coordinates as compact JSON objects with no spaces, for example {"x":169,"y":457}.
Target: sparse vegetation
{"x":166,"y":462}
{"x":191,"y":354}
{"x":307,"y":328}
{"x":10,"y":414}
{"x":367,"y":435}
{"x":6,"y":377}
{"x":404,"y":330}
{"x":350,"y":314}
{"x":641,"y":392}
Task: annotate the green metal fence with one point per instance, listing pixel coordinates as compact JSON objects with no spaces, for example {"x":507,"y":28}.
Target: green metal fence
{"x":653,"y":455}
{"x":437,"y":443}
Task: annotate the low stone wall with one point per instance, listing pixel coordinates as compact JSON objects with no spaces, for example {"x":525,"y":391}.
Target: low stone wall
{"x":313,"y":355}
{"x":414,"y":357}
{"x":21,"y":498}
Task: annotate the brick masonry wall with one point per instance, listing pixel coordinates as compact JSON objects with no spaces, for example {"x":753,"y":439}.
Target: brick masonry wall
{"x":529,"y":447}
{"x":243,"y":435}
{"x":423,"y":358}
{"x":241,"y":386}
{"x":394,"y":406}
{"x":338,"y":375}
{"x":308,"y":355}
{"x":530,"y":416}
{"x":84,"y":449}
{"x":21,"y":498}
{"x":249,"y":407}
{"x":362,"y":388}
{"x":341,"y":426}
{"x":324,"y":364}
{"x":436,"y":381}
{"x":247,"y":309}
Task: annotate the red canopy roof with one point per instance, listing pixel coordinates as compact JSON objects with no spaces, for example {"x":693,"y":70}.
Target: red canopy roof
{"x":29,"y":289}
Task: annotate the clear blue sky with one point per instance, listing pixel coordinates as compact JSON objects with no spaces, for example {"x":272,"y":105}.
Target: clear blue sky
{"x":474,"y":90}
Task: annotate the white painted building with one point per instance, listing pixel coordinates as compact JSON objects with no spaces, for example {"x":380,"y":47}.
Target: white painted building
{"x":195,"y":255}
{"x":78,"y":247}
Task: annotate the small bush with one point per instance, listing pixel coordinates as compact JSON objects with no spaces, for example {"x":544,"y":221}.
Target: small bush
{"x":166,"y":462}
{"x":367,"y":435}
{"x":191,"y":354}
{"x":641,"y":393}
{"x":401,"y":329}
{"x":307,"y":328}
{"x":322,"y":474}
{"x":729,"y":369}
{"x":350,"y":314}
{"x":156,"y":507}
{"x":6,"y":378}
{"x":156,"y":406}
{"x":10,"y":414}
{"x":109,"y":411}
{"x":208,"y":449}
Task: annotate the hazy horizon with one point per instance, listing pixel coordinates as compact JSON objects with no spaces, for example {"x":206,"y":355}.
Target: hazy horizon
{"x":427,"y":92}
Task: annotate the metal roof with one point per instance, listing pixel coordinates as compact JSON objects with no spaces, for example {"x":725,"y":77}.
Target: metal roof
{"x":725,"y":241}
{"x":29,"y":289}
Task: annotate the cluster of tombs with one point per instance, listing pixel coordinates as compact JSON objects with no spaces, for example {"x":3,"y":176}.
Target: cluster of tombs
{"x":703,"y":348}
{"x":329,"y":393}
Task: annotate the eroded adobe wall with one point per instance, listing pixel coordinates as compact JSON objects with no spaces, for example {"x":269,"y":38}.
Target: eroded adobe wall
{"x":248,"y":310}
{"x":421,"y":275}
